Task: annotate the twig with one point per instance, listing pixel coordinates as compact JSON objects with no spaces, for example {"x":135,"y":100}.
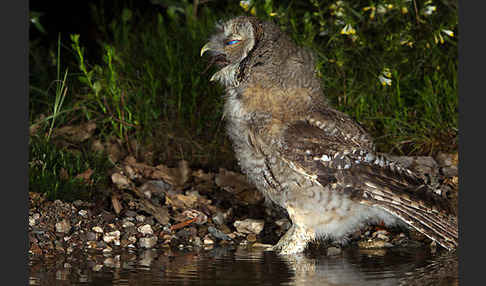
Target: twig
{"x":183,"y":224}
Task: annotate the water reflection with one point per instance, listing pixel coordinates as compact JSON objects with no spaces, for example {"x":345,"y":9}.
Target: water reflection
{"x":239,"y":266}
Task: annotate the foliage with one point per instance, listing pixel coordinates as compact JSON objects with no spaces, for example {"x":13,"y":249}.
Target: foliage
{"x":54,"y":171}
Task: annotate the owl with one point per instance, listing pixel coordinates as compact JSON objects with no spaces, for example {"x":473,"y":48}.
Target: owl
{"x":302,"y":154}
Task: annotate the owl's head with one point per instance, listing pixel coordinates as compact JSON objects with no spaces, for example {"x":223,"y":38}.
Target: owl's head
{"x":231,"y":44}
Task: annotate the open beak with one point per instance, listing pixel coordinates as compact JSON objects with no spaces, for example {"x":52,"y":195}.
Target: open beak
{"x":205,"y":48}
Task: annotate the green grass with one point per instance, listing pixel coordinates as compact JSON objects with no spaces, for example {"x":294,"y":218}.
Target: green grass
{"x":53,"y":171}
{"x":151,"y":85}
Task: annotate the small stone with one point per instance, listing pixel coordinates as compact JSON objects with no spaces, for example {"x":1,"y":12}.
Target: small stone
{"x":31,"y":221}
{"x":208,"y":241}
{"x":140,"y":218}
{"x":332,"y":251}
{"x":261,"y":245}
{"x":374,"y":244}
{"x":382,"y":237}
{"x":132,"y":239}
{"x":249,"y":225}
{"x":83,"y":213}
{"x":36,"y":216}
{"x":284,"y":224}
{"x":91,"y":244}
{"x":91,"y":236}
{"x":109,"y":262}
{"x":197,"y":241}
{"x":216,"y":233}
{"x":381,"y":234}
{"x":450,"y":171}
{"x":126,"y":224}
{"x":147,"y":242}
{"x":97,"y":229}
{"x":113,"y":236}
{"x":78,"y":203}
{"x":63,"y":226}
{"x":145,"y":229}
{"x":130,"y":213}
{"x":218,"y":218}
{"x":107,"y":249}
{"x":97,"y":267}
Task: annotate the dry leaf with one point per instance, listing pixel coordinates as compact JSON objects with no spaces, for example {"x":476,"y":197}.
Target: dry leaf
{"x":120,"y":181}
{"x":86,"y":176}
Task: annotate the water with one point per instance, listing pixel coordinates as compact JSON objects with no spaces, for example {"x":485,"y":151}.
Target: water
{"x":239,"y":266}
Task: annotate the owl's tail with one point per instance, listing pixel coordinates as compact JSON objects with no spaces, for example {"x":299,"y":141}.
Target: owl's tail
{"x":423,"y":215}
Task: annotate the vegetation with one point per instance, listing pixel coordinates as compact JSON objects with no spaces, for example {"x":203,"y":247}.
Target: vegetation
{"x":391,"y":64}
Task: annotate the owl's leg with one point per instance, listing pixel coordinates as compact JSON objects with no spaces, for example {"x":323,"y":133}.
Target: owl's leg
{"x":294,"y":241}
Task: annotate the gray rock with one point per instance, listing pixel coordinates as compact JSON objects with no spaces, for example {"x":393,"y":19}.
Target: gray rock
{"x":147,"y":242}
{"x":450,"y":171}
{"x":91,"y":236}
{"x":130,"y":213}
{"x":63,"y":226}
{"x":249,"y":225}
{"x":126,"y":224}
{"x":208,"y":241}
{"x":145,"y":229}
{"x":31,"y":221}
{"x":218,"y":218}
{"x":216,"y":233}
{"x":83,"y":213}
{"x":331,"y":251}
{"x":113,"y":237}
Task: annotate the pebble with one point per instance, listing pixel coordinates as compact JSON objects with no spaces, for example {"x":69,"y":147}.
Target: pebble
{"x":218,"y":218}
{"x":249,"y":225}
{"x":83,"y":213}
{"x":97,"y":267}
{"x":216,"y":233}
{"x":140,"y":218}
{"x":91,"y":236}
{"x":145,"y":229}
{"x":283,"y":223}
{"x":97,"y":229}
{"x":261,"y":245}
{"x":31,"y":221}
{"x":126,"y":224}
{"x":332,"y":251}
{"x":130,"y":213}
{"x":113,"y":236}
{"x":63,"y":226}
{"x":374,"y":244}
{"x":208,"y":241}
{"x":147,"y":242}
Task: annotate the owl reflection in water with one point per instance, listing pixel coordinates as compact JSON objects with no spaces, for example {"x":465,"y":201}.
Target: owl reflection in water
{"x":304,"y":155}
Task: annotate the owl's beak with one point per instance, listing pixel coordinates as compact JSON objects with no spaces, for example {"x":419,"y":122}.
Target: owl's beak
{"x":205,"y":48}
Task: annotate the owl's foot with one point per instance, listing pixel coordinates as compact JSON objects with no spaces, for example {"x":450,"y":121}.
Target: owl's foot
{"x":294,"y":241}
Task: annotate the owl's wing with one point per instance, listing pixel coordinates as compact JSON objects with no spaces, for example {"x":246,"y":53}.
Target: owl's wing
{"x":331,"y":149}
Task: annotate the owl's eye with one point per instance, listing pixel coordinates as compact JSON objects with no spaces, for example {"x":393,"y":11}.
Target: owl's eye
{"x":232,"y":42}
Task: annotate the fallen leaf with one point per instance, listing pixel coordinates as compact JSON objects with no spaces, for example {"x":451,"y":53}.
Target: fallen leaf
{"x":86,"y":176}
{"x":120,"y":181}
